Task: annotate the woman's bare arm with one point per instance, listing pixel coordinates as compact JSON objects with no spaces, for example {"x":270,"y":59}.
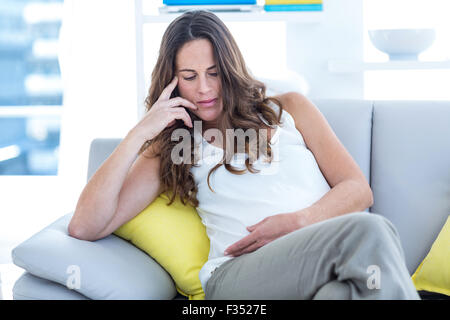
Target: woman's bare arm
{"x":123,"y":185}
{"x":121,"y":188}
{"x":350,"y":190}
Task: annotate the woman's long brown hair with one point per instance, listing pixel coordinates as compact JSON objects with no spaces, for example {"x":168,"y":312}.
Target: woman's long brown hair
{"x":243,"y":97}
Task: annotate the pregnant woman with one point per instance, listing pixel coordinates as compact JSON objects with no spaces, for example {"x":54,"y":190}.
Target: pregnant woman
{"x":284,"y":211}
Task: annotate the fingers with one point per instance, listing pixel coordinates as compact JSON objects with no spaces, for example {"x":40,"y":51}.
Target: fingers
{"x":243,"y":250}
{"x":256,"y":245}
{"x":165,"y":94}
{"x":253,"y":227}
{"x":180,"y":112}
{"x":178,"y":101}
{"x":182,"y":115}
{"x":241,"y":245}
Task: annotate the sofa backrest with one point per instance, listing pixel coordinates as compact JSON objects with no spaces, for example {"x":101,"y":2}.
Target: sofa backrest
{"x":410,"y":171}
{"x":99,"y":151}
{"x":351,"y":120}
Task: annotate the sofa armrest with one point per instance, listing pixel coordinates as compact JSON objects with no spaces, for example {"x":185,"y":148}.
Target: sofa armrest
{"x":109,"y":268}
{"x":30,"y":287}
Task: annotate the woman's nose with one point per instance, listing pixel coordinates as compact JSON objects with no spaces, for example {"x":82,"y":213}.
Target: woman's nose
{"x":203,"y":85}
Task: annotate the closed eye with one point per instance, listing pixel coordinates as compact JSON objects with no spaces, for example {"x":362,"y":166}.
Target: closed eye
{"x":213,"y":74}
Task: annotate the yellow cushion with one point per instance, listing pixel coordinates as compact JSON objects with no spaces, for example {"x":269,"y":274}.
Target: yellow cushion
{"x":433,"y":273}
{"x":175,"y":237}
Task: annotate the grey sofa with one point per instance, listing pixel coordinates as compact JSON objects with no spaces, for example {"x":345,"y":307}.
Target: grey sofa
{"x":403,"y":148}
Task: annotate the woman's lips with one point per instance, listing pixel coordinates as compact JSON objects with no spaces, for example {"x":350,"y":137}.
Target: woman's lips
{"x":207,"y":103}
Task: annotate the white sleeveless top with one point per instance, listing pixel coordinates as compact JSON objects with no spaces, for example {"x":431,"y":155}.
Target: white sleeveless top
{"x":291,"y":182}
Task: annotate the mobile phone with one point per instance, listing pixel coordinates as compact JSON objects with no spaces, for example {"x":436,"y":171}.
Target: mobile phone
{"x":175,"y":93}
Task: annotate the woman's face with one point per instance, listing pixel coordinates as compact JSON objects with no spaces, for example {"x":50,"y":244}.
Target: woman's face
{"x":198,"y":80}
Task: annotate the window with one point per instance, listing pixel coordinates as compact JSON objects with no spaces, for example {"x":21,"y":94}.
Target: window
{"x":30,"y":87}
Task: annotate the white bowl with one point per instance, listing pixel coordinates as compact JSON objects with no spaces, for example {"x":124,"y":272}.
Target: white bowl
{"x":402,"y":44}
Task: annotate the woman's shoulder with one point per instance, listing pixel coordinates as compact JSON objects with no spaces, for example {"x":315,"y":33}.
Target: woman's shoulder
{"x":302,"y":111}
{"x":291,"y":101}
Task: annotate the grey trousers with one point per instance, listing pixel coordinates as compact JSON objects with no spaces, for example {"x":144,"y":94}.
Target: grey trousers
{"x":353,"y":256}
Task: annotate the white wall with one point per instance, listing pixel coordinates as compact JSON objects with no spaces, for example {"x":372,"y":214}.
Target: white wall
{"x":98,"y":68}
{"x":338,"y":36}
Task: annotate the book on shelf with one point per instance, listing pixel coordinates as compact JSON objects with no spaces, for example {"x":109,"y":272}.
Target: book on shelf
{"x":206,"y":2}
{"x":180,"y":6}
{"x":293,"y":7}
{"x":213,"y":8}
{"x":269,"y":2}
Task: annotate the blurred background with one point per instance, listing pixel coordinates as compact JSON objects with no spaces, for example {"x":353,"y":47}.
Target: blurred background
{"x":75,"y":70}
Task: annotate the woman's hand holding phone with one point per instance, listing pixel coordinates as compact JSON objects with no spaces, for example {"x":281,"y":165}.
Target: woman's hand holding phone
{"x":164,"y":112}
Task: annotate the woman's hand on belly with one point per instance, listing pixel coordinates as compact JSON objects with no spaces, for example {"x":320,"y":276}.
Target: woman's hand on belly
{"x":264,"y":232}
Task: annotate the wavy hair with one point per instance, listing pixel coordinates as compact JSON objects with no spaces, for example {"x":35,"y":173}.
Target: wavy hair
{"x":243,"y":98}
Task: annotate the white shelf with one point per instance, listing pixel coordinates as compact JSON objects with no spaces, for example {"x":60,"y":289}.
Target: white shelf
{"x":345,"y":66}
{"x":302,"y":17}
